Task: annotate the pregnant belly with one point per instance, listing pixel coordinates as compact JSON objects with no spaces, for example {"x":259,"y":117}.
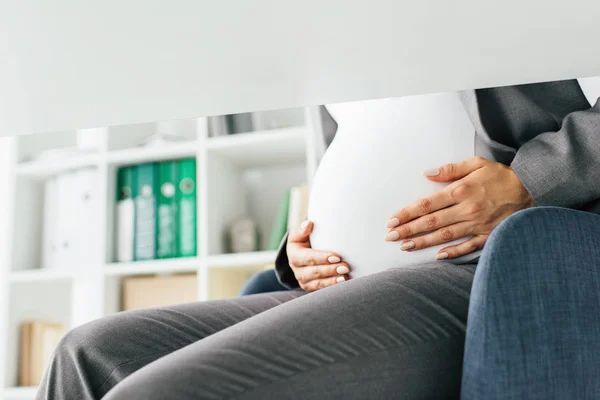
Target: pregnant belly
{"x":374,"y":167}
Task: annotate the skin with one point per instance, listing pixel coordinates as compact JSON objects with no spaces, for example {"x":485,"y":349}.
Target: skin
{"x":482,"y":194}
{"x":314,"y":269}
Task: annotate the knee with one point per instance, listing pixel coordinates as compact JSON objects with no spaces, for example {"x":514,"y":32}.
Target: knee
{"x":529,"y":239}
{"x":538,"y":227}
{"x":78,"y":340}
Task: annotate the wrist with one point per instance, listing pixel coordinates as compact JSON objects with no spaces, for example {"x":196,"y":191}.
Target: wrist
{"x":524,"y":197}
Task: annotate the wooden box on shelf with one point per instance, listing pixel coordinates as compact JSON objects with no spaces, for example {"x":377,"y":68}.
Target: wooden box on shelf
{"x":157,"y":291}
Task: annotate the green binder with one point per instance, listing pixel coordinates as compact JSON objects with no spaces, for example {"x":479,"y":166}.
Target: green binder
{"x":281,"y":221}
{"x":186,"y":195}
{"x":166,"y":246}
{"x":125,"y":243}
{"x":145,"y":211}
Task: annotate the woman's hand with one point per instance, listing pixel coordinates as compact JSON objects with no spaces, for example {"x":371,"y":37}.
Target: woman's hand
{"x":314,"y":269}
{"x":482,"y":195}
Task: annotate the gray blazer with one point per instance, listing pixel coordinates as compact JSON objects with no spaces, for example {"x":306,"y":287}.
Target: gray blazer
{"x":548,"y":132}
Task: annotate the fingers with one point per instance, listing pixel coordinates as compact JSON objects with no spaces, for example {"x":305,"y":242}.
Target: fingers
{"x":434,"y":202}
{"x":305,"y":275}
{"x":303,"y":234}
{"x":309,"y":257}
{"x":323,"y":283}
{"x":468,"y":246}
{"x":426,"y":223}
{"x":452,"y":172}
{"x":321,"y":276}
{"x":440,"y":236}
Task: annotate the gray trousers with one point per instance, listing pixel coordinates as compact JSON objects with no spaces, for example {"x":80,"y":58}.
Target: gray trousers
{"x":397,"y":334}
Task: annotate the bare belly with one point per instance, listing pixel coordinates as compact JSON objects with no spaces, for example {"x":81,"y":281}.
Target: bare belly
{"x":374,"y":167}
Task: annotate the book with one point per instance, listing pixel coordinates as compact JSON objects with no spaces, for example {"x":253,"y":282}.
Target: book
{"x":167,"y":210}
{"x":186,"y":198}
{"x":25,"y":355}
{"x":87,"y":215}
{"x":298,"y":208}
{"x":239,"y":123}
{"x":67,"y":220}
{"x":38,"y":339}
{"x":217,"y":126}
{"x":144,"y":195}
{"x":125,"y":224}
{"x":280,"y":225}
{"x":50,"y":229}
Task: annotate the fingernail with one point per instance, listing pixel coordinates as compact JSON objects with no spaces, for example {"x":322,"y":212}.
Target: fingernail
{"x":392,"y":223}
{"x":334,"y":259}
{"x":304,"y":225}
{"x":340,"y":279}
{"x":441,"y":256}
{"x":342,"y":270}
{"x":407,"y":245}
{"x":431,"y":172}
{"x":392,"y":236}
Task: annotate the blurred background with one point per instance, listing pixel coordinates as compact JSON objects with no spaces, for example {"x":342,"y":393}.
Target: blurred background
{"x":102,"y":220}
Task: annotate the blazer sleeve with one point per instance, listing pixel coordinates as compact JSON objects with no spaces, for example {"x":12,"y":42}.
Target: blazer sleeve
{"x":561,"y":168}
{"x":284,"y":272}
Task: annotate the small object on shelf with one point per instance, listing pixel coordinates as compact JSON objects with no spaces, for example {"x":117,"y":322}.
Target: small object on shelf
{"x":38,"y":339}
{"x":157,"y":291}
{"x":187,"y":212}
{"x":145,"y":211}
{"x":242,"y":236}
{"x":167,"y":210}
{"x":125,"y":213}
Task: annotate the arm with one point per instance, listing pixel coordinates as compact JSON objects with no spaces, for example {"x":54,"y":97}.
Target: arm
{"x":561,"y":168}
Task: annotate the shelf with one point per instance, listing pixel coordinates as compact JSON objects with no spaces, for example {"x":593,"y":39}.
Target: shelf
{"x":172,"y":265}
{"x":39,"y":275}
{"x":236,"y":260}
{"x":44,"y":168}
{"x":20,"y":393}
{"x":140,"y":155}
{"x":261,"y":148}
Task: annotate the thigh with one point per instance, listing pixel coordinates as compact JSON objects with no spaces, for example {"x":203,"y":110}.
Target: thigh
{"x":534,"y":320}
{"x":394,"y":334}
{"x":107,"y":350}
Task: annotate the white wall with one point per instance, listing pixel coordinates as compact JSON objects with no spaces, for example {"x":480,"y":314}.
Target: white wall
{"x":71,"y":64}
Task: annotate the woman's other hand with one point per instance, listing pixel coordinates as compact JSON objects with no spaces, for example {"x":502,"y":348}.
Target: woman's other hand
{"x":314,"y":269}
{"x":482,"y":194}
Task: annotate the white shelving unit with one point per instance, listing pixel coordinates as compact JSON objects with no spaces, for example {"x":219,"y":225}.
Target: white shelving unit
{"x":237,"y":175}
